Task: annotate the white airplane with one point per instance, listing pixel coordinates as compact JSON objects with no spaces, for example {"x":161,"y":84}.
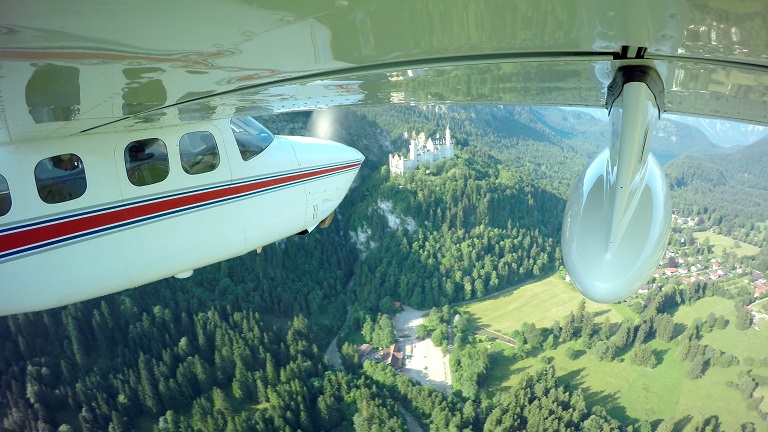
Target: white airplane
{"x":126,"y":153}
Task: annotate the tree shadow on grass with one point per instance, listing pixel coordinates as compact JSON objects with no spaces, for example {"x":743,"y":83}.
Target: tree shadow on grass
{"x":621,"y":352}
{"x":681,"y":424}
{"x":659,"y":355}
{"x":501,"y":367}
{"x":680,"y":328}
{"x":601,"y":313}
{"x":609,"y":401}
{"x":571,"y":379}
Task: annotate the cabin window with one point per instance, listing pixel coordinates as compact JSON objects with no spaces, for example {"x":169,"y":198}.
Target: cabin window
{"x":199,"y":153}
{"x":60,"y":178}
{"x":5,"y":196}
{"x":146,"y":161}
{"x":252,"y":138}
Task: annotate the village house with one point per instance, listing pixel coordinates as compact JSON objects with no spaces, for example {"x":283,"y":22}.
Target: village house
{"x":703,"y":276}
{"x":364,"y":351}
{"x":392,"y":356}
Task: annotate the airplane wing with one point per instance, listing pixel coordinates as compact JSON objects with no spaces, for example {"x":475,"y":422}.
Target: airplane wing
{"x":95,"y":66}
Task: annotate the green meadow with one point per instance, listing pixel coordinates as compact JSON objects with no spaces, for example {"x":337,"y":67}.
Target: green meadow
{"x":629,"y":393}
{"x":540,"y":303}
{"x":742,"y":344}
{"x":720,"y":242}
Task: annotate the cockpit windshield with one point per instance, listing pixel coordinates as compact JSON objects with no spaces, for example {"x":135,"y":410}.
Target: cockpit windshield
{"x":252,"y":138}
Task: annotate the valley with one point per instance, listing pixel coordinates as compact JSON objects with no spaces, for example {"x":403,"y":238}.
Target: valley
{"x":238,"y":345}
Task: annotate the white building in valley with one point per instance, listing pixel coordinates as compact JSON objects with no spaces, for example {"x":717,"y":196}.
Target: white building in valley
{"x":422,"y":150}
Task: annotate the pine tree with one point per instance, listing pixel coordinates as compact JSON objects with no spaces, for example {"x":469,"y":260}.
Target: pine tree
{"x":743,"y":319}
{"x":587,"y":324}
{"x":697,"y":368}
{"x":148,"y":392}
{"x":568,"y":328}
{"x":665,"y":327}
{"x":642,"y":355}
{"x":368,"y":329}
{"x":579,"y":316}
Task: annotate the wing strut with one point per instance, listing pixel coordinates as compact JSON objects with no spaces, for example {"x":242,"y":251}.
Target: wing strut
{"x":618,"y":216}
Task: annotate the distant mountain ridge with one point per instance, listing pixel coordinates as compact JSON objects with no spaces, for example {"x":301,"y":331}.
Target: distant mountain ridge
{"x":728,"y":190}
{"x":725,"y":133}
{"x":584,"y":131}
{"x":743,"y":167}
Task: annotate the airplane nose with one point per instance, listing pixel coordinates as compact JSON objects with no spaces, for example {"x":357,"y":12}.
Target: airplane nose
{"x":355,"y":154}
{"x":315,"y":152}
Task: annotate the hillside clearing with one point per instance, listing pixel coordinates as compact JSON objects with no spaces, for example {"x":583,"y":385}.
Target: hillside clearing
{"x":720,"y":242}
{"x":541,"y":303}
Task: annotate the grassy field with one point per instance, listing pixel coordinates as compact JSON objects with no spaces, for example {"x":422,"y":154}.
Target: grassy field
{"x":541,"y":303}
{"x":741,"y":343}
{"x":630,"y":393}
{"x":720,"y":242}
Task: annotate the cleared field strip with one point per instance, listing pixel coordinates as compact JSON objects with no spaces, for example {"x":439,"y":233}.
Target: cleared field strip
{"x":541,"y":303}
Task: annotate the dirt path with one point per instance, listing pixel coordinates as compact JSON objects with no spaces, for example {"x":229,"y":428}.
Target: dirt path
{"x":758,"y":316}
{"x":410,"y":420}
{"x":333,"y":355}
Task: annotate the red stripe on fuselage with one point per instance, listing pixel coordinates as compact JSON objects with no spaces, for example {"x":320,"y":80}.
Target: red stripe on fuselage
{"x":45,"y":233}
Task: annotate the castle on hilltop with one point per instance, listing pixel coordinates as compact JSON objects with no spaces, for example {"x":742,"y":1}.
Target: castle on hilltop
{"x":422,"y":150}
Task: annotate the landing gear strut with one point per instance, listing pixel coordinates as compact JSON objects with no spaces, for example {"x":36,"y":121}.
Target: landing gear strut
{"x":618,"y":216}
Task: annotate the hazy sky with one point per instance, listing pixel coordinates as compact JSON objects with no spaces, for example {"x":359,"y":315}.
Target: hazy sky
{"x":722,"y":132}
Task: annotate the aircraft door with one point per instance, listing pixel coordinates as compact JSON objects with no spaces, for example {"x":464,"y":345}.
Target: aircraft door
{"x":174,"y":183}
{"x":264,"y":168}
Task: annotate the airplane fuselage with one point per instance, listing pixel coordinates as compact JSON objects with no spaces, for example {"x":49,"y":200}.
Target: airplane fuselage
{"x":96,"y":213}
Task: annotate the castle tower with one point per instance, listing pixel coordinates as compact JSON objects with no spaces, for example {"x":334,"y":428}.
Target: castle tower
{"x":422,"y":150}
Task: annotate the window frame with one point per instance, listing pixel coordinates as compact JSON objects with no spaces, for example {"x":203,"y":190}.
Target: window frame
{"x":5,"y":190}
{"x":143,"y":166}
{"x":247,"y":141}
{"x":201,"y":154}
{"x":58,"y":182}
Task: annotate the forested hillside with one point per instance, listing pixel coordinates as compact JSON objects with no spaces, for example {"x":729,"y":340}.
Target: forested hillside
{"x":202,"y":351}
{"x":461,"y":230}
{"x":729,"y":191}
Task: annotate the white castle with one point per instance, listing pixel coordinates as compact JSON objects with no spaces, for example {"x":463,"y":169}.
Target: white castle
{"x":422,"y":150}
